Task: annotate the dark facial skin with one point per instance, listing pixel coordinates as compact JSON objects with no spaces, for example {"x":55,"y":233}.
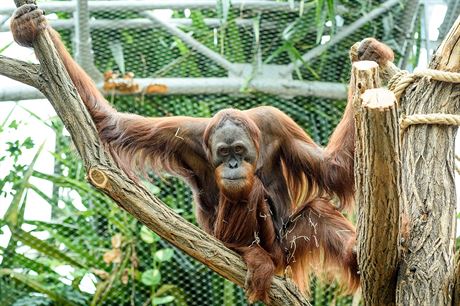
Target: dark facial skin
{"x":234,"y":156}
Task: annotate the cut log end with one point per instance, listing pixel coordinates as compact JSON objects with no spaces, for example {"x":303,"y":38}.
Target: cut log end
{"x":364,"y":75}
{"x":97,"y":178}
{"x":365,"y":65}
{"x":354,"y":52}
{"x":378,"y":98}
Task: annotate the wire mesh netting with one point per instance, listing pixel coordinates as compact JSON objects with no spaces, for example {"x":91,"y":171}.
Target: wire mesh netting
{"x":292,"y":55}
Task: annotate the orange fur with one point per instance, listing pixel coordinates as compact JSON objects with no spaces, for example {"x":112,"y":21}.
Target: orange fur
{"x":324,"y":244}
{"x":239,"y":190}
{"x":371,"y":49}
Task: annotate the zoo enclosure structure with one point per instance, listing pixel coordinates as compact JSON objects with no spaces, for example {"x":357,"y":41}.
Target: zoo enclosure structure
{"x":242,"y":77}
{"x":225,"y":64}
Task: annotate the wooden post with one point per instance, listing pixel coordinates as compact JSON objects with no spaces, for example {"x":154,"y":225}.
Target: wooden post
{"x":456,"y":295}
{"x":364,"y":75}
{"x":426,"y":274}
{"x":376,"y":200}
{"x":377,"y":193}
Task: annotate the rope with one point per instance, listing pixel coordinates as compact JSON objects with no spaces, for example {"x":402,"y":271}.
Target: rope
{"x":401,"y":80}
{"x":440,"y":119}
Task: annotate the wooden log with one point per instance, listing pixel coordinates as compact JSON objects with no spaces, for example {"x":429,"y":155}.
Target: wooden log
{"x":364,"y":75}
{"x":377,"y":194}
{"x":456,"y":295}
{"x":426,"y":273}
{"x":373,"y":208}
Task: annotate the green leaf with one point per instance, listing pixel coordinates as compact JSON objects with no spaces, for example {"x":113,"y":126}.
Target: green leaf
{"x":28,"y":143}
{"x":11,"y":215}
{"x":331,"y":13}
{"x":37,"y":286}
{"x":3,"y":125}
{"x":164,"y":255}
{"x":153,"y":188}
{"x":198,"y":20}
{"x":116,"y":47}
{"x":320,"y":19}
{"x":295,"y":55}
{"x":151,"y":277}
{"x":168,"y":289}
{"x":44,"y":121}
{"x":31,"y":264}
{"x":66,"y":182}
{"x":5,"y":47}
{"x":46,"y":248}
{"x":162,"y":300}
{"x":44,"y":196}
{"x":14,"y":125}
{"x":301,"y":7}
{"x":148,"y":236}
{"x":297,"y":30}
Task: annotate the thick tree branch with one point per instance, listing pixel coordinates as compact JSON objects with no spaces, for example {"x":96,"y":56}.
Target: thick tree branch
{"x":377,"y":177}
{"x":20,"y":71}
{"x":105,"y":175}
{"x":428,"y":193}
{"x":208,"y":86}
{"x":377,"y":196}
{"x":456,"y":295}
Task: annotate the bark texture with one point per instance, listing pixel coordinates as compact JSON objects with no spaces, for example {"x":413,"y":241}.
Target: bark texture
{"x":20,"y":71}
{"x":377,"y":177}
{"x":456,"y":295}
{"x":377,"y":195}
{"x":426,"y":273}
{"x":53,"y":80}
{"x":364,"y":75}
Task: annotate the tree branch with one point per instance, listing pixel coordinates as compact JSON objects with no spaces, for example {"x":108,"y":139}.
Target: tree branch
{"x":105,"y":175}
{"x":207,"y":86}
{"x":21,"y":71}
{"x":377,"y":177}
{"x":456,"y":295}
{"x":428,"y":193}
{"x":377,"y":196}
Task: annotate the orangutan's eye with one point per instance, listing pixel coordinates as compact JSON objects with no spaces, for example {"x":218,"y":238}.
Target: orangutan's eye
{"x":224,"y":151}
{"x":239,"y":149}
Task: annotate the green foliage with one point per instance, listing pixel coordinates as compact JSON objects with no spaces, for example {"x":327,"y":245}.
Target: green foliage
{"x":151,"y":277}
{"x":5,"y":47}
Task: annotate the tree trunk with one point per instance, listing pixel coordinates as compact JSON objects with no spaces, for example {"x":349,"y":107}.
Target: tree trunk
{"x":377,"y":194}
{"x":364,"y":75}
{"x":429,"y":201}
{"x":456,"y":299}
